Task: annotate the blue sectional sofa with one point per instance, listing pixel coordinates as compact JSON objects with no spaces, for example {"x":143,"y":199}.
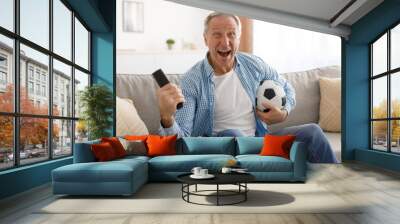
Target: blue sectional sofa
{"x":125,"y":176}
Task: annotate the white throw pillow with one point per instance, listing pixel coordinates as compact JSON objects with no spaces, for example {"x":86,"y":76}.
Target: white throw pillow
{"x":330,"y":104}
{"x":128,"y":120}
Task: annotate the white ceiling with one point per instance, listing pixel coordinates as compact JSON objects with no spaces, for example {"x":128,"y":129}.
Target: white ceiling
{"x":315,"y":15}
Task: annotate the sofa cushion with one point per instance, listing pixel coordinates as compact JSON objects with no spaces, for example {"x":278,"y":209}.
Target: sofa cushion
{"x":329,"y":109}
{"x":103,"y":152}
{"x":249,"y":145}
{"x":135,"y":87}
{"x":116,"y":145}
{"x":134,"y":147}
{"x":306,"y":85}
{"x":277,"y":145}
{"x":257,"y":163}
{"x":112,"y":171}
{"x":207,"y":145}
{"x":128,"y":119}
{"x":185,"y":163}
{"x":161,"y":145}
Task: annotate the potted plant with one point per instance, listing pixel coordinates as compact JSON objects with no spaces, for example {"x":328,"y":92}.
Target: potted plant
{"x":170,"y":42}
{"x":97,"y":102}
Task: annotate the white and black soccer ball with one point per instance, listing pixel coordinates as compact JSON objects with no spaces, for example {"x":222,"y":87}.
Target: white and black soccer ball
{"x":272,"y":92}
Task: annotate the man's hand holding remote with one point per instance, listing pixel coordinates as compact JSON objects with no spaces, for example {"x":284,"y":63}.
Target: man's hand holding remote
{"x":168,"y":98}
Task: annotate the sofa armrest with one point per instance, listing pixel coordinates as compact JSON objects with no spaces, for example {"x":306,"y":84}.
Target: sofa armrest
{"x":83,"y":152}
{"x":298,"y":155}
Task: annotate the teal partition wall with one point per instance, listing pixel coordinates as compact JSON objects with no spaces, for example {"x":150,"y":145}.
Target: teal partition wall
{"x":99,"y":16}
{"x":355,"y":58}
{"x":103,"y":64}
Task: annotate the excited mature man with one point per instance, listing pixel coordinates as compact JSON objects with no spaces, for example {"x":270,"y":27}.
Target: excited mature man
{"x":219,"y":94}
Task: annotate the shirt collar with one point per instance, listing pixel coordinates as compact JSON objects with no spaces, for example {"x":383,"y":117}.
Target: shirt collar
{"x":209,"y":69}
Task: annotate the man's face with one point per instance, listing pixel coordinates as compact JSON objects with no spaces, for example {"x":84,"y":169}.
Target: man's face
{"x":222,"y":40}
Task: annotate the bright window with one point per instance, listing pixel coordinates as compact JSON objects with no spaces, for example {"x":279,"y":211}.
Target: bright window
{"x":45,"y":123}
{"x":385,"y":93}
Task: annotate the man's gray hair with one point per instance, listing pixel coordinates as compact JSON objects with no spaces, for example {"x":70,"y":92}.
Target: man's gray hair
{"x":216,"y":14}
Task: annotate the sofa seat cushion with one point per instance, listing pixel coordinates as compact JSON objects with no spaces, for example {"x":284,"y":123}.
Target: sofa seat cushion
{"x":111,"y":171}
{"x":185,"y":163}
{"x":133,"y":158}
{"x":257,"y":163}
{"x":207,"y":145}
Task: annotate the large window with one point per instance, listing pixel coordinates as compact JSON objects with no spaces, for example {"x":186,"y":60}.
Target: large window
{"x":44,"y":64}
{"x":385,"y":92}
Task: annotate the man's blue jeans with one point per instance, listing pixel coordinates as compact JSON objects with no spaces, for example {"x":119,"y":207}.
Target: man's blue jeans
{"x":318,"y":147}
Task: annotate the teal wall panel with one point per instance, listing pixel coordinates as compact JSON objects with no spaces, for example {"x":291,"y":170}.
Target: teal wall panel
{"x":24,"y":178}
{"x":355,"y":58}
{"x":99,"y":16}
{"x":356,"y":114}
{"x":103,"y":64}
{"x":377,"y":158}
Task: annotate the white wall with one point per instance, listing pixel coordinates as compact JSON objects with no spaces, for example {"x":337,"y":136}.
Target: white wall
{"x":285,"y":48}
{"x":163,"y":20}
{"x":289,"y":49}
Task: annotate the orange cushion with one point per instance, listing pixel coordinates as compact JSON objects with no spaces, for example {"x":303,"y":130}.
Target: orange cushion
{"x":275,"y":145}
{"x":103,"y":151}
{"x":161,"y":145}
{"x":116,"y":145}
{"x":136,"y":137}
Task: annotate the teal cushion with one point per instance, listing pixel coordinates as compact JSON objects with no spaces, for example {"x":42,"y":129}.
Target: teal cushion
{"x":185,"y":163}
{"x":133,"y":157}
{"x":111,"y":171}
{"x":249,"y":145}
{"x":207,"y":145}
{"x":257,"y":163}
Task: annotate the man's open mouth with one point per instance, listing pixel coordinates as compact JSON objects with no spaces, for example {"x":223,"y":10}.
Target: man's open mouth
{"x":224,"y":53}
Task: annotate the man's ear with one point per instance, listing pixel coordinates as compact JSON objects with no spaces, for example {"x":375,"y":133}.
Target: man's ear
{"x":205,"y":39}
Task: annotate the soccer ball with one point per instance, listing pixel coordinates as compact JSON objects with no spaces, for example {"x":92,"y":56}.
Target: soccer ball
{"x":272,"y":92}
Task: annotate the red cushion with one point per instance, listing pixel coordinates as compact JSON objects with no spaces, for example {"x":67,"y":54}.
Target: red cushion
{"x":116,"y":145}
{"x":161,"y":145}
{"x":103,"y":151}
{"x":275,"y":145}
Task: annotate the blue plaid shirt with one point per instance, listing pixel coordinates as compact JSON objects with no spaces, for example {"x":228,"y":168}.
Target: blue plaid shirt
{"x":196,"y":117}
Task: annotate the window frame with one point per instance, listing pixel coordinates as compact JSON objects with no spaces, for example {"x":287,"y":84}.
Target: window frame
{"x":388,"y":74}
{"x":16,"y":114}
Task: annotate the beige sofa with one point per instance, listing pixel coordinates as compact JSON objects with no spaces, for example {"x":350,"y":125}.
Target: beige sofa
{"x":141,"y":90}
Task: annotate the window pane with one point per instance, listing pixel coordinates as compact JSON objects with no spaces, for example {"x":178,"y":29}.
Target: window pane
{"x":7,"y":14}
{"x":62,"y":89}
{"x":62,"y":138}
{"x":33,"y":139}
{"x":6,"y":74}
{"x":379,"y":55}
{"x":395,"y":136}
{"x":6,"y":142}
{"x":379,"y":98}
{"x":62,"y":29}
{"x":379,"y":135}
{"x":34,"y":78}
{"x":395,"y":94}
{"x":395,"y":47}
{"x":81,"y":131}
{"x":81,"y":81}
{"x":81,"y":45}
{"x":35,"y":21}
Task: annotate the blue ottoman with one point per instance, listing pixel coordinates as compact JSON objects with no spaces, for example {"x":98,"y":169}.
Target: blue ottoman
{"x":118,"y":177}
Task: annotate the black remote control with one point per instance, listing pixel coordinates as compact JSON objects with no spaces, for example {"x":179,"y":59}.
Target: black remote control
{"x":162,"y":80}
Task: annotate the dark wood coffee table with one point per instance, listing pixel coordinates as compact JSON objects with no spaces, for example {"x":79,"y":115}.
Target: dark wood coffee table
{"x":238,"y":179}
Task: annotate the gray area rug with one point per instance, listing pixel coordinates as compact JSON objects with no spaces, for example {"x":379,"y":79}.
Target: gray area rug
{"x":166,"y":198}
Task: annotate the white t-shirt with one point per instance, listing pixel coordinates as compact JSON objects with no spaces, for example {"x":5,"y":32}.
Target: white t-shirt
{"x":233,"y":108}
